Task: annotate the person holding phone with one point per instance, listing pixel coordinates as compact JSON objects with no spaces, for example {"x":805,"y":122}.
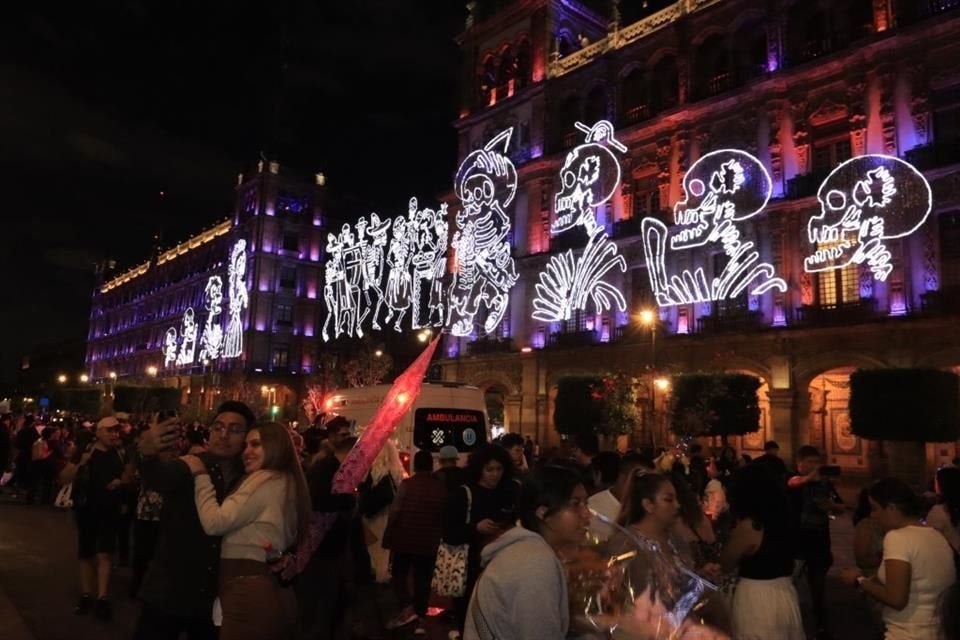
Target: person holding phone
{"x":814,"y":501}
{"x":480,"y":511}
{"x":181,"y":583}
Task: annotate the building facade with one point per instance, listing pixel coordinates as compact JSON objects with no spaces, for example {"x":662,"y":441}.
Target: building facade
{"x":239,"y":297}
{"x":799,"y":87}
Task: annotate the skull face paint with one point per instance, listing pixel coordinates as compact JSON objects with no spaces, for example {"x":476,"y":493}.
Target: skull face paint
{"x":864,"y":202}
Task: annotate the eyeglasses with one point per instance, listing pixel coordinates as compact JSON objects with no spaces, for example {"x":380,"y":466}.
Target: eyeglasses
{"x":233,"y":429}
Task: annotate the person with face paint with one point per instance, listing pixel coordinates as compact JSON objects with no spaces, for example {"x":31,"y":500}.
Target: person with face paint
{"x":265,"y":515}
{"x":181,"y":584}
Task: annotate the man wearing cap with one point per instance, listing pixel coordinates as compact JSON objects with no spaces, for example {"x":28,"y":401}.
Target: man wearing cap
{"x":97,"y":517}
{"x":181,"y":584}
{"x":452,"y":475}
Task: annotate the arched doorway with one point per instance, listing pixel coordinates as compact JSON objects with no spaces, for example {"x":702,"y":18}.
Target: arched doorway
{"x":829,"y":425}
{"x":495,"y":397}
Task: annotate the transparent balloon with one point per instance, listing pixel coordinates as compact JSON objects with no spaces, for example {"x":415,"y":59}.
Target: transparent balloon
{"x":623,"y":585}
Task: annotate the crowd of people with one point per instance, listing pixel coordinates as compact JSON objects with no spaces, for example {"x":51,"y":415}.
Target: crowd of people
{"x":223,"y":522}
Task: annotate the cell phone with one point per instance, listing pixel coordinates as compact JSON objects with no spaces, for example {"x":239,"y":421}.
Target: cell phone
{"x":830,"y":470}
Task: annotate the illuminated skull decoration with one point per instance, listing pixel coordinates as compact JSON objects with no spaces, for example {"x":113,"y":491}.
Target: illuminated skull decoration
{"x":589,"y":177}
{"x":485,"y":177}
{"x":863,"y":202}
{"x":728,"y":184}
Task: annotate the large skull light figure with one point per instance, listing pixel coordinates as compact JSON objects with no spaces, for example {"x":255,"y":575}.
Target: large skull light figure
{"x":486,"y":184}
{"x":863,"y":202}
{"x":722,"y":188}
{"x":589,"y":177}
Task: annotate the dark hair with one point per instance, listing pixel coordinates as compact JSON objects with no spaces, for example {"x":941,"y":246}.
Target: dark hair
{"x":808,"y":451}
{"x":235,"y":406}
{"x":587,"y":442}
{"x":643,"y":486}
{"x":510,"y":440}
{"x":691,"y":511}
{"x":696,"y":449}
{"x":894,"y":491}
{"x":196,"y":436}
{"x":771,"y":444}
{"x":336,"y":424}
{"x":550,"y":487}
{"x":345,"y":445}
{"x":422,"y":461}
{"x":948,"y":480}
{"x":756,"y":494}
{"x":487,"y":453}
{"x":862,"y":510}
{"x":607,"y":464}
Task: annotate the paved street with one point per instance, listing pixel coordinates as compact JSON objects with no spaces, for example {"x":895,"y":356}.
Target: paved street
{"x":38,"y":576}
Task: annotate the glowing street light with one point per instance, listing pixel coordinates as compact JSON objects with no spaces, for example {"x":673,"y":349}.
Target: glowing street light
{"x":647,"y":317}
{"x":378,"y":353}
{"x":61,"y":378}
{"x":152,"y":371}
{"x":113,"y":375}
{"x":662,"y":383}
{"x":84,"y":378}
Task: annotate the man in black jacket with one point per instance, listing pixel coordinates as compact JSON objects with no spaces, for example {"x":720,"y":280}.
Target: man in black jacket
{"x":181,"y":584}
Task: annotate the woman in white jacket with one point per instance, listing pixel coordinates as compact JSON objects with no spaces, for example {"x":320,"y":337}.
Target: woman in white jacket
{"x":267,"y":513}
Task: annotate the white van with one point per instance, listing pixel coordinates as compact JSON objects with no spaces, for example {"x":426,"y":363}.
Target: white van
{"x":445,"y":413}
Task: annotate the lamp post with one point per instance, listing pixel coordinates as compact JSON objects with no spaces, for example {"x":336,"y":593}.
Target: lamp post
{"x":62,"y":379}
{"x":648,"y":319}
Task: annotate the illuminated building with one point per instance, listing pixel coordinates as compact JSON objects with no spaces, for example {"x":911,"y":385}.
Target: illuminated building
{"x":790,"y":90}
{"x":243,"y":295}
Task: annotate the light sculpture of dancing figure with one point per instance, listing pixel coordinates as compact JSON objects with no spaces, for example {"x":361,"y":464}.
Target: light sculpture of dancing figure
{"x":348,"y":293}
{"x":589,"y":177}
{"x":864,"y":202}
{"x":439,"y":270}
{"x":722,"y":188}
{"x":170,"y":347}
{"x":424,"y":257}
{"x":237,"y":286}
{"x":486,"y":184}
{"x":398,"y":275}
{"x":188,"y":335}
{"x":332,"y":277}
{"x":372,"y":251}
{"x":211,"y":342}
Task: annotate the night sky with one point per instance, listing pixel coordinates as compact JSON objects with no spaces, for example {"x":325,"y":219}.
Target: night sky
{"x":104,"y":105}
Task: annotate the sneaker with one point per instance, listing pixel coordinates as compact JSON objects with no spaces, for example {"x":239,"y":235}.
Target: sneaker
{"x":406,"y":617}
{"x":84,"y":604}
{"x":103,"y":611}
{"x":420,"y":630}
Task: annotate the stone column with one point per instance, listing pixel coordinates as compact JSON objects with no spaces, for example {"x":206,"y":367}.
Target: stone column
{"x":782,"y":421}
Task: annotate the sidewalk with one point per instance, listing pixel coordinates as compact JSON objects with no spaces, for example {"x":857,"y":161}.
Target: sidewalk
{"x":13,"y":625}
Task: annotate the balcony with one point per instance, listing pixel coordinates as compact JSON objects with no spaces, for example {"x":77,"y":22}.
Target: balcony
{"x":572,"y":339}
{"x":571,"y":239}
{"x":740,"y":321}
{"x":862,"y":310}
{"x":805,"y":184}
{"x":636,"y":114}
{"x":910,"y":11}
{"x":490,"y":345}
{"x":946,"y":301}
{"x":627,"y":228}
{"x":937,"y":154}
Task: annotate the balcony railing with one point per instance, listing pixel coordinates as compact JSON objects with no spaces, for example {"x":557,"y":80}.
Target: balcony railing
{"x":937,"y":154}
{"x":740,"y":321}
{"x":635,"y":114}
{"x":569,"y":339}
{"x":805,"y":185}
{"x":842,"y":313}
{"x":572,"y":239}
{"x":627,"y":228}
{"x":910,"y":11}
{"x":943,"y":302}
{"x":490,"y":345}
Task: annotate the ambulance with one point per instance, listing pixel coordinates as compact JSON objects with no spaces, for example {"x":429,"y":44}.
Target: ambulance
{"x":445,"y":413}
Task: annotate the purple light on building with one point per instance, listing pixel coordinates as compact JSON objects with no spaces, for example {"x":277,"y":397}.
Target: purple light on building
{"x":779,"y":316}
{"x":261,"y":325}
{"x":539,"y":339}
{"x":453,"y":349}
{"x":898,"y":304}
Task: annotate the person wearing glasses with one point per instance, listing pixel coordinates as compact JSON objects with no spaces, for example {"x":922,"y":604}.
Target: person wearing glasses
{"x":98,"y":515}
{"x":181,"y":583}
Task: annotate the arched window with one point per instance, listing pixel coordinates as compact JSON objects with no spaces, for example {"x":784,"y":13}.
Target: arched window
{"x":505,"y":73}
{"x":666,"y":84}
{"x":808,"y":32}
{"x":635,"y":98}
{"x":596,"y":106}
{"x":522,"y":76}
{"x":488,"y":81}
{"x":711,"y":72}
{"x":854,"y":20}
{"x":750,"y":51}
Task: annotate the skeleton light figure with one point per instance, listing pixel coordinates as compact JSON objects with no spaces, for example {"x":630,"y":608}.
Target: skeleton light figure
{"x":188,"y":333}
{"x":589,"y":176}
{"x":211,"y":341}
{"x":236,"y":274}
{"x":486,"y":184}
{"x":864,"y":202}
{"x":170,"y":347}
{"x":722,"y":188}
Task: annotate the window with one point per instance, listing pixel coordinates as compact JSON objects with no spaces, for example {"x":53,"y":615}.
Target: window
{"x":646,"y":197}
{"x":946,"y":125}
{"x":828,"y":155}
{"x":290,"y":203}
{"x":950,"y":250}
{"x":281,"y":358}
{"x":288,"y":277}
{"x":839,"y":286}
{"x":291,"y":242}
{"x":727,"y":306}
{"x":284,"y":314}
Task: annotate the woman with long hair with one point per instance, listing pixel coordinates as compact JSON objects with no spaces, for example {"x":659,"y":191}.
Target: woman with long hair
{"x":480,"y":511}
{"x":765,"y":603}
{"x":377,"y":493}
{"x":267,"y":513}
{"x":692,"y":532}
{"x":917,"y":565}
{"x":945,"y":515}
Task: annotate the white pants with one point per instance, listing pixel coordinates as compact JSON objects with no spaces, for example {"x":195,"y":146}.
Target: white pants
{"x":765,"y":609}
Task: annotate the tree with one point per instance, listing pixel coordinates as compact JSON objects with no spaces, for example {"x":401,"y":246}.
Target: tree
{"x":722,"y":405}
{"x":144,"y":400}
{"x":85,"y":400}
{"x":907,"y":405}
{"x":620,"y":405}
{"x":579,"y":406}
{"x":326,"y":377}
{"x":236,"y":386}
{"x":369,"y":365}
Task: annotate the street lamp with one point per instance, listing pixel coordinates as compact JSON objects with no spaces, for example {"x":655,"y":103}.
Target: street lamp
{"x":152,"y":371}
{"x":62,"y":379}
{"x":378,"y":353}
{"x":648,"y":319}
{"x":84,"y":378}
{"x":113,"y":375}
{"x":662,"y":383}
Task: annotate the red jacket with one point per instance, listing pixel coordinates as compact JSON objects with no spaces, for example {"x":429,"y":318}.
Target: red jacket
{"x":416,"y":520}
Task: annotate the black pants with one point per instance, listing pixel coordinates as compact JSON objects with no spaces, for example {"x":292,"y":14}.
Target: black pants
{"x":155,"y":624}
{"x":324,"y":591}
{"x":145,"y":535}
{"x":402,"y":565}
{"x":818,"y":558}
{"x":124,"y":525}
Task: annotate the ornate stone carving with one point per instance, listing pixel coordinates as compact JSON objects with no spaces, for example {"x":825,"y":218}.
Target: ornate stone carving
{"x":866,"y":281}
{"x":806,"y":288}
{"x":664,"y":149}
{"x":931,"y":279}
{"x":887,"y":76}
{"x":801,"y":133}
{"x":683,"y":149}
{"x":919,"y":103}
{"x":775,"y":115}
